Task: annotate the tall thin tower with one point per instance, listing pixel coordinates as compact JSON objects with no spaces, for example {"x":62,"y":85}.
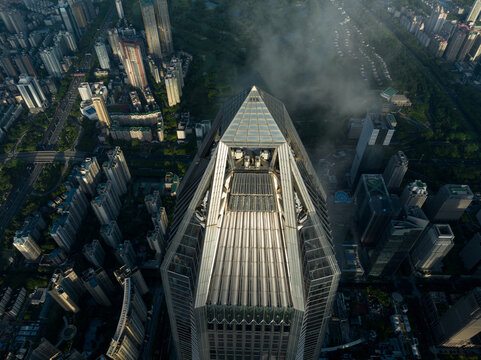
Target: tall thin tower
{"x":474,"y":12}
{"x":163,"y":22}
{"x":250,"y":255}
{"x":151,"y":29}
{"x":120,"y":8}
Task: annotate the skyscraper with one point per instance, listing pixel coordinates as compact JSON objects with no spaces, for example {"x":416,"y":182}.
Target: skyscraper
{"x":50,"y":60}
{"x":111,"y":234}
{"x":79,"y":14}
{"x":99,"y":285}
{"x":455,"y":43}
{"x":88,"y":174}
{"x":102,"y":55}
{"x":471,"y":253}
{"x":432,"y":247}
{"x":120,"y":9}
{"x":133,"y":63}
{"x":32,"y":93}
{"x":151,"y":28}
{"x":414,"y":194}
{"x":66,"y":289}
{"x":24,"y":241}
{"x":449,"y":203}
{"x":133,"y":273}
{"x":436,"y":21}
{"x":126,"y":254}
{"x":396,"y":241}
{"x":461,"y":322}
{"x":68,"y":18}
{"x":27,"y":62}
{"x":467,"y":45}
{"x":101,"y":110}
{"x":377,"y":132}
{"x":474,"y":12}
{"x":114,"y":41}
{"x":396,"y":169}
{"x":94,"y":253}
{"x":8,"y":67}
{"x":238,"y":254}
{"x":117,"y":171}
{"x":163,"y":21}
{"x":374,"y":208}
{"x":85,"y":91}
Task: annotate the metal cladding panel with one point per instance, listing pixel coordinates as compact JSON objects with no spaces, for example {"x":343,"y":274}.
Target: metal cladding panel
{"x":291,"y":239}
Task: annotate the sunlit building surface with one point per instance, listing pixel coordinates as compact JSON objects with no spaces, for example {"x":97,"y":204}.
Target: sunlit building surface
{"x":250,"y":270}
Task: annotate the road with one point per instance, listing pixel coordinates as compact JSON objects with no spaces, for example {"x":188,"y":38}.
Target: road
{"x":46,"y":156}
{"x":19,"y":194}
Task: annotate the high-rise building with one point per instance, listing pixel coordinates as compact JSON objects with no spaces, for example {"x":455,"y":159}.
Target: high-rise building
{"x":130,"y":332}
{"x":68,"y":18}
{"x":173,"y":89}
{"x":104,"y":209}
{"x":151,"y":28}
{"x":7,"y":21}
{"x":153,"y":202}
{"x":229,"y":212}
{"x":156,"y":240}
{"x":27,"y":247}
{"x":44,"y":351}
{"x":467,"y":45}
{"x":111,"y":234}
{"x":117,"y":171}
{"x":414,"y":194}
{"x":79,"y":14}
{"x":133,"y":63}
{"x":455,"y":43}
{"x":99,"y":285}
{"x":120,"y":9}
{"x":66,"y":288}
{"x":27,"y":62}
{"x":85,"y":91}
{"x":88,"y":174}
{"x":475,"y":51}
{"x":396,"y":241}
{"x":432,"y":247}
{"x":69,"y":39}
{"x":471,"y":253}
{"x":374,"y":208}
{"x":461,"y":322}
{"x":8,"y":67}
{"x":377,"y":132}
{"x":126,"y":254}
{"x":133,"y":273}
{"x":94,"y":253}
{"x":449,"y":203}
{"x":114,"y":41}
{"x":102,"y":55}
{"x":14,"y":21}
{"x":51,"y":62}
{"x":163,"y":21}
{"x":32,"y":93}
{"x":396,"y":169}
{"x":474,"y":12}
{"x":101,"y":110}
{"x":436,"y":21}
{"x":154,"y":70}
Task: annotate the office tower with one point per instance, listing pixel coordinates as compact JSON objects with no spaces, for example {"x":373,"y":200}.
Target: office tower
{"x":153,"y":202}
{"x":461,"y":322}
{"x":78,"y":14}
{"x":27,"y":62}
{"x":101,"y":110}
{"x":374,"y":207}
{"x":44,"y":351}
{"x":117,"y":171}
{"x":229,"y":212}
{"x":130,"y":332}
{"x":126,"y":254}
{"x":111,"y":234}
{"x":414,"y":194}
{"x":163,"y":21}
{"x":88,"y":173}
{"x":98,"y":284}
{"x":32,"y":93}
{"x":114,"y":41}
{"x":27,"y":247}
{"x":151,"y":28}
{"x":133,"y":63}
{"x":102,"y":55}
{"x":474,"y":12}
{"x":456,"y":42}
{"x":133,"y":273}
{"x":396,"y":241}
{"x":432,"y":247}
{"x":467,"y":45}
{"x":70,"y":41}
{"x":449,"y":203}
{"x":396,"y":169}
{"x":120,"y":9}
{"x":68,"y":18}
{"x":8,"y":67}
{"x":50,"y":60}
{"x":94,"y":253}
{"x":85,"y":91}
{"x":377,"y":132}
{"x":66,"y":288}
{"x":471,"y":253}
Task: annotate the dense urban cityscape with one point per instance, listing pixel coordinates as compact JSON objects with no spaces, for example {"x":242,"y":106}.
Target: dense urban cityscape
{"x":240,"y":179}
